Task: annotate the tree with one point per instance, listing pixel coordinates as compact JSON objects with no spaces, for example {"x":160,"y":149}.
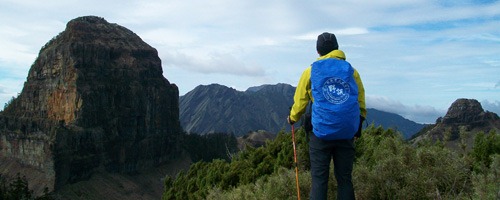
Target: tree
{"x":18,"y":189}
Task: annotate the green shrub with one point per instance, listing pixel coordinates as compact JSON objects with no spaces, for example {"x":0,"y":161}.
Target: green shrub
{"x":18,"y":189}
{"x":484,"y":147}
{"x":386,"y":167}
{"x":487,"y":185}
{"x":245,"y":168}
{"x":281,"y":185}
{"x":389,"y":168}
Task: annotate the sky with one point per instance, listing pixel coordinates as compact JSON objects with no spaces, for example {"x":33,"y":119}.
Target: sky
{"x":415,"y":57}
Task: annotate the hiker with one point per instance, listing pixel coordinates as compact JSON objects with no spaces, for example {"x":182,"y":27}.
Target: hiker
{"x":338,"y":109}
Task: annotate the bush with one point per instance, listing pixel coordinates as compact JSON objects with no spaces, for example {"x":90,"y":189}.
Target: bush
{"x":281,"y":185}
{"x":484,"y":147}
{"x":245,"y":168}
{"x":18,"y":189}
{"x":386,"y":167}
{"x":213,"y":146}
{"x":486,"y":157}
{"x":487,"y":185}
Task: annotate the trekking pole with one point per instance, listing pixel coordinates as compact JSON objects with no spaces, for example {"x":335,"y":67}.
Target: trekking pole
{"x":296,"y":164}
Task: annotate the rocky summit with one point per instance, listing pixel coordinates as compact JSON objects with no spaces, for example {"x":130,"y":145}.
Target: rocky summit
{"x":95,"y":99}
{"x":468,"y":112}
{"x":464,"y":115}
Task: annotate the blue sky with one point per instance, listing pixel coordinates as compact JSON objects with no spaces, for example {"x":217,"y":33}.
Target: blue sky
{"x":415,"y":57}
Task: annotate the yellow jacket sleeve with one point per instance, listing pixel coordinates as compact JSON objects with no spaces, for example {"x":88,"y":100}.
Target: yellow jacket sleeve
{"x":302,"y":95}
{"x":361,"y":94}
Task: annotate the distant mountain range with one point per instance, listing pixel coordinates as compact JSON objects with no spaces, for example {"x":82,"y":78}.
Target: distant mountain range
{"x":217,"y":108}
{"x":390,"y":120}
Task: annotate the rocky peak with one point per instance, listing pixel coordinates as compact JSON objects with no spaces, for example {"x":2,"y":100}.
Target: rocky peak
{"x":467,"y":112}
{"x":464,"y":115}
{"x":268,"y":89}
{"x":92,"y":67}
{"x":94,"y":96}
{"x":96,"y":30}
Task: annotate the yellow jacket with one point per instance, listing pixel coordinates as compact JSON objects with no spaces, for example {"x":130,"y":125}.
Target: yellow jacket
{"x":303,"y":91}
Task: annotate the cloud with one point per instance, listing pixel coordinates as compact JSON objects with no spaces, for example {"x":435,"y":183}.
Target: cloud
{"x":313,"y":35}
{"x":492,"y":106}
{"x":497,"y":85}
{"x":5,"y":95}
{"x":417,"y":113}
{"x":352,"y":31}
{"x":213,"y":63}
{"x":2,"y":90}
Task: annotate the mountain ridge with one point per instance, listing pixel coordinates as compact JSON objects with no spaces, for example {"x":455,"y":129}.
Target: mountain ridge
{"x":210,"y":108}
{"x":269,"y":102}
{"x":391,"y":120}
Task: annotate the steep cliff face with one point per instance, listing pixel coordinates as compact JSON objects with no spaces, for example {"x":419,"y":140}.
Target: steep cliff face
{"x":94,"y":99}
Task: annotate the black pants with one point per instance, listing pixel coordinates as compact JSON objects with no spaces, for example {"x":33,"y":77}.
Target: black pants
{"x":321,"y":153}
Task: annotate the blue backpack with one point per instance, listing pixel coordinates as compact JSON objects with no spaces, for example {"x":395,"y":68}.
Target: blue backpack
{"x":335,"y":111}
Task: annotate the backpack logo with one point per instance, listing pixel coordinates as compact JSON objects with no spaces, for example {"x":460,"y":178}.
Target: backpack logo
{"x":336,"y":90}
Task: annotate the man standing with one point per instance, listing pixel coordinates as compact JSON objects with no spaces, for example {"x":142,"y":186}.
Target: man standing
{"x":338,"y":109}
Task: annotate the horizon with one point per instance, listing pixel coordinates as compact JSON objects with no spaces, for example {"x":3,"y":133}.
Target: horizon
{"x":415,"y":58}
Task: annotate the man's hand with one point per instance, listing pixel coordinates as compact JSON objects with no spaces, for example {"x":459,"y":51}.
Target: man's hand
{"x":290,"y":121}
{"x":358,"y":133}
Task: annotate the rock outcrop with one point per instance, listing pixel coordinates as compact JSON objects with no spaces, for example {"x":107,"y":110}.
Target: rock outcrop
{"x":468,"y":112}
{"x":94,"y":99}
{"x":255,"y":139}
{"x":466,"y":115}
